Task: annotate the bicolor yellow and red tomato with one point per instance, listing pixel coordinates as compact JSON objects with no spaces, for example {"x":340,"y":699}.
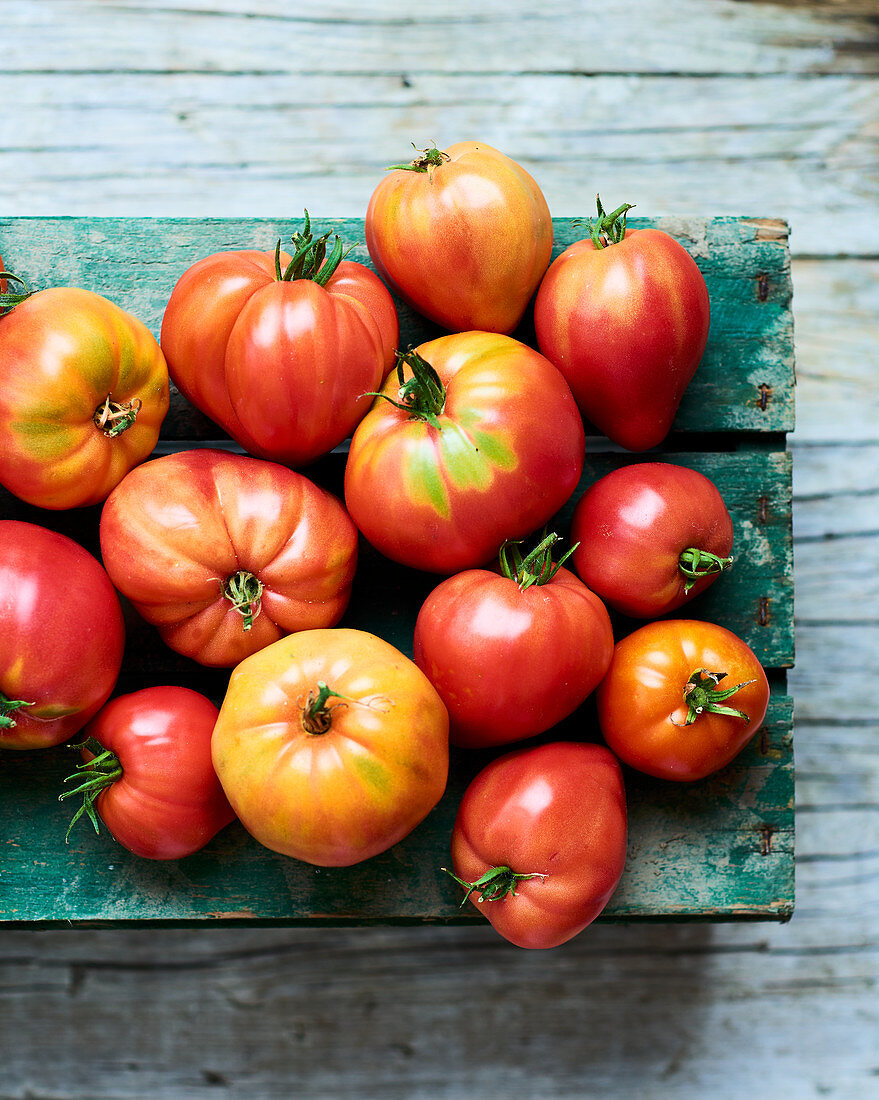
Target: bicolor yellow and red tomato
{"x":281,"y":352}
{"x":61,"y":636}
{"x":147,"y":773}
{"x":539,"y":841}
{"x":331,"y":746}
{"x":463,"y":234}
{"x":476,"y":440}
{"x":681,"y":699}
{"x":226,"y":554}
{"x":83,"y":393}
{"x":624,"y":315}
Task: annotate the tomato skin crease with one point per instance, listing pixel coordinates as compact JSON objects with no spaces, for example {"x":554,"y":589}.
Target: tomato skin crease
{"x":627,"y":325}
{"x":632,"y":526}
{"x":559,"y":811}
{"x":642,"y":710}
{"x":62,"y":635}
{"x":465,"y":243}
{"x":509,"y":664}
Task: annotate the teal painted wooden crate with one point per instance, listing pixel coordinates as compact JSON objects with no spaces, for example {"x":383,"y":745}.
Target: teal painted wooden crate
{"x":720,"y":849}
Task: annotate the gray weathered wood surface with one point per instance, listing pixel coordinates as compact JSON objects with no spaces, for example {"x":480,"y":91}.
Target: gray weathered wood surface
{"x":253,"y":108}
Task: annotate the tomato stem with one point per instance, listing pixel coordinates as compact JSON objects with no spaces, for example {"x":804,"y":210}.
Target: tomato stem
{"x":424,"y":395}
{"x":309,"y":257}
{"x":317,"y":717}
{"x":429,"y":160}
{"x":115,"y":417}
{"x":7,"y":706}
{"x":10,"y":299}
{"x":495,"y":884}
{"x":94,"y":776}
{"x":535,"y":569}
{"x":701,"y":697}
{"x":695,"y":564}
{"x":245,"y":592}
{"x":609,"y":228}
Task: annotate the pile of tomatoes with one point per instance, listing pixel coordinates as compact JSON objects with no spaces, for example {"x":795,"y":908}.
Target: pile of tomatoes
{"x":330,"y":744}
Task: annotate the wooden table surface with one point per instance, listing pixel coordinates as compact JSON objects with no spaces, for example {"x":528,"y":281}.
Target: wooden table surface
{"x":252,"y":108}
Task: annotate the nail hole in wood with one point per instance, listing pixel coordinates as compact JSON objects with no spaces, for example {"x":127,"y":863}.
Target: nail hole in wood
{"x":766,"y":831}
{"x":762,"y":510}
{"x":763,"y":611}
{"x":765,"y":392}
{"x":762,"y":286}
{"x":764,"y":741}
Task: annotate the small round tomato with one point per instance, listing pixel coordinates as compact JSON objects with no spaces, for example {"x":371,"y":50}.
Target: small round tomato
{"x":475,"y":440}
{"x":681,"y":699}
{"x":281,"y":352}
{"x":83,"y":393}
{"x":539,"y":841}
{"x":225,"y":554}
{"x":147,"y":773}
{"x":624,"y":315}
{"x":513,"y":652}
{"x":61,"y":636}
{"x":331,"y":746}
{"x":650,"y":537}
{"x":464,"y":235}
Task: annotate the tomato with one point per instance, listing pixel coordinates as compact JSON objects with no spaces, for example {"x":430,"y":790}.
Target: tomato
{"x":624,"y":315}
{"x":331,"y":746}
{"x":476,"y":440}
{"x":650,"y":537}
{"x":147,"y":772}
{"x":61,"y":636}
{"x":282,"y":354}
{"x":513,"y":652}
{"x":681,"y":699}
{"x":83,"y":393}
{"x":225,"y":553}
{"x":539,"y":841}
{"x":464,"y":235}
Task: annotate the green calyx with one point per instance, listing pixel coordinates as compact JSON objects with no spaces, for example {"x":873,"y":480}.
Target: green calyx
{"x":495,"y":884}
{"x":310,"y":257}
{"x":9,"y":299}
{"x":114,"y":417}
{"x":7,"y":706}
{"x":610,"y":228}
{"x":702,"y":696}
{"x":93,"y":776}
{"x":537,"y":568}
{"x":427,"y":161}
{"x":695,"y":564}
{"x":423,"y":396}
{"x":245,"y":592}
{"x":317,"y":716}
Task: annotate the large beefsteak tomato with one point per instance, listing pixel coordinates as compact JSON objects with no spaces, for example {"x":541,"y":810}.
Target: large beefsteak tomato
{"x":515,"y":651}
{"x":475,"y":440}
{"x":331,"y":746}
{"x":147,"y":773}
{"x":61,"y":636}
{"x":624,"y":315}
{"x":681,"y":699}
{"x":539,"y":841}
{"x":463,"y":234}
{"x":83,"y":393}
{"x":225,"y":553}
{"x":281,"y":352}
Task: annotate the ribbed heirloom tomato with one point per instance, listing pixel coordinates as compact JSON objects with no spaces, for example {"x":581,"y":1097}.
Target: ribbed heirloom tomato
{"x":61,"y":636}
{"x":281,"y":351}
{"x":331,"y":746}
{"x":83,"y":393}
{"x":463,"y":234}
{"x":225,"y":554}
{"x":476,"y":440}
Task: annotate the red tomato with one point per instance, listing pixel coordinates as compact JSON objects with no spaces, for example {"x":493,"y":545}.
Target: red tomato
{"x":482,"y":442}
{"x":463,"y":235}
{"x":147,"y":772}
{"x":540,"y":841}
{"x":626,"y":322}
{"x":282,"y":354}
{"x":681,"y":698}
{"x":61,"y":636}
{"x":332,"y":746}
{"x":83,"y":393}
{"x":225,"y":554}
{"x":651,"y":537}
{"x":512,"y":653}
